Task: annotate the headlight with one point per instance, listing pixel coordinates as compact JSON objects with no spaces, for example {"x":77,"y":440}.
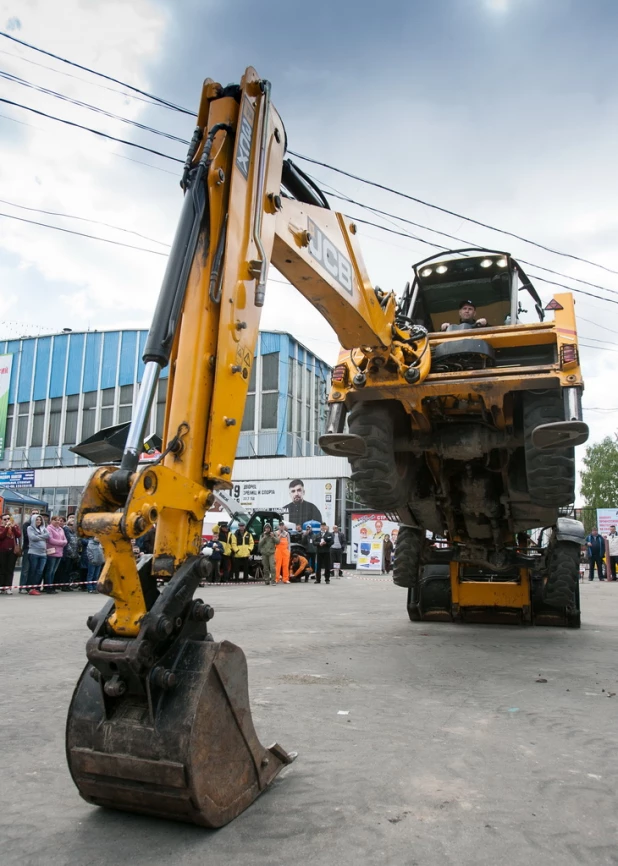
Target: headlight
{"x":487,"y":263}
{"x":502,"y":263}
{"x":426,"y":272}
{"x":441,"y":269}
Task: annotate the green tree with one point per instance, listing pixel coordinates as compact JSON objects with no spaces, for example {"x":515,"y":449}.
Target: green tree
{"x":600,"y":475}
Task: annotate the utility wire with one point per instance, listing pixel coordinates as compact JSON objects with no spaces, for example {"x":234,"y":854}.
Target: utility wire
{"x":81,"y":234}
{"x":442,"y":247}
{"x":313,"y":161}
{"x":89,"y":129}
{"x":82,"y":80}
{"x":385,"y":214}
{"x":83,"y":219}
{"x":15,"y":79}
{"x":158,"y":99}
{"x":449,"y":212}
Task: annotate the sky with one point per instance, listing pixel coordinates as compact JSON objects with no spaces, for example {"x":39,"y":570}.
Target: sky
{"x":500,"y":110}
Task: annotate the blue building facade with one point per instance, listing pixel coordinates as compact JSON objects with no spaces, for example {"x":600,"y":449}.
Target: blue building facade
{"x":65,"y":387}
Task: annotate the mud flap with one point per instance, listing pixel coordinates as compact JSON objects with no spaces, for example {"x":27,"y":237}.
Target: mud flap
{"x":189,"y":752}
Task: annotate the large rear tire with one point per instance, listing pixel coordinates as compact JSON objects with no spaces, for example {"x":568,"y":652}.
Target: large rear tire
{"x":407,"y":563}
{"x":383,"y":479}
{"x":562,"y":583}
{"x":550,"y":475}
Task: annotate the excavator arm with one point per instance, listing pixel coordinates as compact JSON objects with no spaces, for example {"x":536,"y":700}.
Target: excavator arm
{"x":160,"y":721}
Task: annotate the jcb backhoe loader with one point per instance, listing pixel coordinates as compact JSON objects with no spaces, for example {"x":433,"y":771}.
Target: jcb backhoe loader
{"x":160,"y":721}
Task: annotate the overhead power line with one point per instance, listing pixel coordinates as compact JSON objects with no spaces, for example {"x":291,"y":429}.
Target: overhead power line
{"x":81,"y":234}
{"x":175,"y":107}
{"x":15,"y":79}
{"x":341,"y":197}
{"x":536,"y":277}
{"x":449,"y":212}
{"x":29,"y":60}
{"x":89,"y":129}
{"x":158,"y":99}
{"x":83,"y":219}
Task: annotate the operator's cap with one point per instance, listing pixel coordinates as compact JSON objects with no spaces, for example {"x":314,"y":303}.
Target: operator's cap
{"x":466,"y":304}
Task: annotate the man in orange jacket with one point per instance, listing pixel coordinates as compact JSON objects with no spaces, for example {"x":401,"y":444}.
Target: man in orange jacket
{"x":299,"y":568}
{"x":282,"y":555}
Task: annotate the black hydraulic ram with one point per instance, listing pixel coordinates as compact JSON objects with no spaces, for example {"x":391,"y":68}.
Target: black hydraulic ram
{"x":172,"y":295}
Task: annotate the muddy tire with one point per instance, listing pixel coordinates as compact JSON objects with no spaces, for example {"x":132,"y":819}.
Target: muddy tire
{"x":561,"y":587}
{"x":383,"y":479}
{"x":407,"y":563}
{"x":550,"y":475}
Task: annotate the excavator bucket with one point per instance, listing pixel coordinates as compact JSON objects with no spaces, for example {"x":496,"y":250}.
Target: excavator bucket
{"x":184,"y":749}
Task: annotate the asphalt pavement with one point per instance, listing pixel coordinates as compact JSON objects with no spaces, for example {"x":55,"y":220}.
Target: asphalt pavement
{"x":420,"y":744}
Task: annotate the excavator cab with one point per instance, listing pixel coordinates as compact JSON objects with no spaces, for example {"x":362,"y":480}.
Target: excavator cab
{"x":490,"y":279}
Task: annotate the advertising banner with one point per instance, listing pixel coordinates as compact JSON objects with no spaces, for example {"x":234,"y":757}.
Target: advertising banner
{"x":17,"y":478}
{"x":367,"y":528}
{"x":370,"y":555}
{"x":6,"y":362}
{"x":313,"y":499}
{"x":606,"y":517}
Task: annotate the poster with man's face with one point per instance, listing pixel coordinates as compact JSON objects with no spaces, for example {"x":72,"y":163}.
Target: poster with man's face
{"x":300,"y":499}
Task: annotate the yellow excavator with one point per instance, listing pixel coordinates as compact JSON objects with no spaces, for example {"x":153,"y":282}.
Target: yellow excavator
{"x":443,"y":426}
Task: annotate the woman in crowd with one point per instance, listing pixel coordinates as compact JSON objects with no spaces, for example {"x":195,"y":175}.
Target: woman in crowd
{"x":10,"y":549}
{"x":96,"y":560}
{"x":387,"y":554}
{"x":37,"y":553}
{"x":56,"y":542}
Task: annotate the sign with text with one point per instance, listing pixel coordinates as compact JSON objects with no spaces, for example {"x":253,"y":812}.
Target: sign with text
{"x":370,"y":555}
{"x":367,"y":528}
{"x":17,"y":478}
{"x":313,"y":499}
{"x":6,"y":362}
{"x":606,"y":517}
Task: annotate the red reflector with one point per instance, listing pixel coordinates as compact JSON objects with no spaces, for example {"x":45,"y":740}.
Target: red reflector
{"x":568,"y":355}
{"x":554,"y":305}
{"x":339,"y":374}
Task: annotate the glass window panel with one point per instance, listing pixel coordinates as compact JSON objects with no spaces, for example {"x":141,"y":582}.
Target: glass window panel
{"x":10,"y":409}
{"x":88,"y":420}
{"x":270,"y":372}
{"x":126,"y":394}
{"x":162,"y":390}
{"x":252,"y":376}
{"x":23,"y":408}
{"x":248,"y":419}
{"x":269,"y":411}
{"x":291,"y":375}
{"x":75,"y":494}
{"x":70,"y":429}
{"x":56,"y":404}
{"x":107,"y":396}
{"x":53,"y":435}
{"x":124,"y":414}
{"x":38,"y":422}
{"x":8,"y":432}
{"x":73,"y":402}
{"x":288,"y":411}
{"x":299,"y":417}
{"x":89,"y":400}
{"x":107,"y":417}
{"x":22,"y":431}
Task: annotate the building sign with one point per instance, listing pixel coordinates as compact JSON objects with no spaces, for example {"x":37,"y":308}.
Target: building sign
{"x":606,"y":517}
{"x":6,"y":362}
{"x":367,"y":528}
{"x":300,"y":500}
{"x":17,"y":478}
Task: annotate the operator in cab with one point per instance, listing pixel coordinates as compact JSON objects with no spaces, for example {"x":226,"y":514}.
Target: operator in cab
{"x":467,"y":316}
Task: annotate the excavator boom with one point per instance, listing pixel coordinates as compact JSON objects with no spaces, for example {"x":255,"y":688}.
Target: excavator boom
{"x":160,"y":721}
